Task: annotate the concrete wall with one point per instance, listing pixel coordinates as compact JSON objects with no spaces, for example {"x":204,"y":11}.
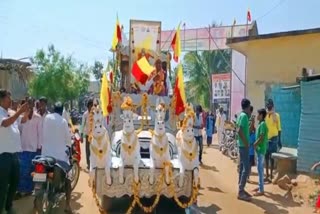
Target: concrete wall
{"x":277,"y":61}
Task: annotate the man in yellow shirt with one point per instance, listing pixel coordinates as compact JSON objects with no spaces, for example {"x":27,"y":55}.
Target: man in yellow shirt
{"x":274,"y":137}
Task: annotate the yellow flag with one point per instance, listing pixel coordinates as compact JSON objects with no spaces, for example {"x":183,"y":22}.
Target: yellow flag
{"x":104,"y":95}
{"x":117,"y":37}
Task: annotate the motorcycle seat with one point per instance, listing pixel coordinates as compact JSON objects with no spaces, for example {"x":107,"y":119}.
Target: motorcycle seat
{"x":51,"y":161}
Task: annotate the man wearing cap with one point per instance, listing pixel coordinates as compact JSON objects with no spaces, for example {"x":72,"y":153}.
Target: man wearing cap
{"x":274,"y":136}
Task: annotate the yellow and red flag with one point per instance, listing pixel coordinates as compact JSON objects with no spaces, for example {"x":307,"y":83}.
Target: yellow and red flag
{"x":176,"y":45}
{"x":141,"y":70}
{"x":105,"y":96}
{"x":179,"y":92}
{"x":117,"y":35}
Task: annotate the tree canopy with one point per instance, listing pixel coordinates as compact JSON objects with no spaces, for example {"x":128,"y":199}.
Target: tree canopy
{"x":198,"y":68}
{"x":58,"y":77}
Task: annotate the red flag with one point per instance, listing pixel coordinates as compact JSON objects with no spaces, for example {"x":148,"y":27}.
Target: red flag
{"x":111,"y":77}
{"x":249,"y":16}
{"x":109,"y":107}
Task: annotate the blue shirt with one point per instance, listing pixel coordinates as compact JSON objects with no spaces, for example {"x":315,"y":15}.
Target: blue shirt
{"x":210,"y":125}
{"x":252,"y":140}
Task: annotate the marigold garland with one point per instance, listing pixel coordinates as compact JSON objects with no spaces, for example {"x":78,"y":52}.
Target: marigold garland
{"x":136,"y":198}
{"x":101,"y":210}
{"x":173,"y":191}
{"x":160,"y":181}
{"x":91,"y":125}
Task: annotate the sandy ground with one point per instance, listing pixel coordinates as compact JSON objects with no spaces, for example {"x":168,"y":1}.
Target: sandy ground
{"x":218,"y":193}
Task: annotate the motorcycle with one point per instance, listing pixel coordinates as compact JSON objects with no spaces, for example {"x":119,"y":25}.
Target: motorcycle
{"x":229,"y":144}
{"x":48,"y":195}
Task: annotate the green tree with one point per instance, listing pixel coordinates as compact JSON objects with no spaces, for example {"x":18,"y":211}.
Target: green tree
{"x":198,"y":68}
{"x":97,"y":70}
{"x":58,"y":77}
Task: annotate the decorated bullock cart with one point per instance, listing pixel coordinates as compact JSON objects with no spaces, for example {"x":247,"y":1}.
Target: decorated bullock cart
{"x":147,"y":152}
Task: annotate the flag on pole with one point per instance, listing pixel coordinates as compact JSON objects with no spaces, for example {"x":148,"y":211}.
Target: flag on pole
{"x":141,"y":70}
{"x":117,"y":35}
{"x":105,"y":96}
{"x":176,"y":45}
{"x":248,"y":16}
{"x":179,"y":92}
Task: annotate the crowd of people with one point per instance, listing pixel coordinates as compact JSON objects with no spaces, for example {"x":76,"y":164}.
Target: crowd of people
{"x":206,"y":125}
{"x":257,"y":144}
{"x":28,"y":129}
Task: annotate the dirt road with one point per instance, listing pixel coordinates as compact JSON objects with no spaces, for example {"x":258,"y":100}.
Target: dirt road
{"x":218,"y":193}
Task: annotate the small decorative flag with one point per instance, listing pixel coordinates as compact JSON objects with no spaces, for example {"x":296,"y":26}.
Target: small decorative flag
{"x":176,"y":45}
{"x":117,"y":35}
{"x":249,"y":16}
{"x":141,"y":70}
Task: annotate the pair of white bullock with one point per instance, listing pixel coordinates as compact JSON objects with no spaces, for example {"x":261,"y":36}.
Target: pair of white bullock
{"x":130,"y":147}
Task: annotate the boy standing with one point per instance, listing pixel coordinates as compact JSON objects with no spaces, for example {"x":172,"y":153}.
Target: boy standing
{"x":261,"y":148}
{"x":251,"y":141}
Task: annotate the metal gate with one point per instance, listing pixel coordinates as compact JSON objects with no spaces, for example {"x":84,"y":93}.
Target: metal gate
{"x":287,"y":101}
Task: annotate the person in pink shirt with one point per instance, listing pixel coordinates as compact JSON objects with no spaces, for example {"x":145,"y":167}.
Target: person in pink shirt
{"x":31,"y":133}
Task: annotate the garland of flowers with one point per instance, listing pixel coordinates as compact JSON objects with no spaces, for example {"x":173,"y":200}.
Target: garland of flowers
{"x":136,"y":200}
{"x":160,"y":181}
{"x":94,"y":193}
{"x":91,"y":113}
{"x":193,"y":198}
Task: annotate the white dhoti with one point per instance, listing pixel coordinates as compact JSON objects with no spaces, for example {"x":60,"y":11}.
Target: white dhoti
{"x":220,"y":135}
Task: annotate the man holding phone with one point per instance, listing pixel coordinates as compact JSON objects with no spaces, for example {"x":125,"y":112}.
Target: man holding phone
{"x":10,"y":145}
{"x":31,"y":145}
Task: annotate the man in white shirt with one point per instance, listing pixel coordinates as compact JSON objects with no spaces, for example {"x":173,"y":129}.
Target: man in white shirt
{"x":84,"y":130}
{"x":30,"y":132}
{"x":198,"y":126}
{"x":221,"y":118}
{"x":10,"y":145}
{"x":56,"y":138}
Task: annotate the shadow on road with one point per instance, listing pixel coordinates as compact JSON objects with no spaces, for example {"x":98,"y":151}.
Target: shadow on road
{"x":212,"y":209}
{"x":286,"y":200}
{"x":165,"y":205}
{"x":215,"y":189}
{"x":75,"y":205}
{"x":207,"y":167}
{"x":269,"y":208}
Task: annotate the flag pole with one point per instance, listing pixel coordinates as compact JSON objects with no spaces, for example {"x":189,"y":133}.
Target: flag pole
{"x":247,"y":30}
{"x":184,"y":36}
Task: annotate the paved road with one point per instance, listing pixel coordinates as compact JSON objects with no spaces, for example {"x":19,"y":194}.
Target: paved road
{"x":217,"y":194}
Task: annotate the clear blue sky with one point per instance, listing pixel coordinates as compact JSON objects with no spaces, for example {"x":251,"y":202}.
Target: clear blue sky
{"x":84,"y":28}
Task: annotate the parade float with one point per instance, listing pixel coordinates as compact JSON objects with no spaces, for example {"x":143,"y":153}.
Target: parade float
{"x":141,"y":159}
